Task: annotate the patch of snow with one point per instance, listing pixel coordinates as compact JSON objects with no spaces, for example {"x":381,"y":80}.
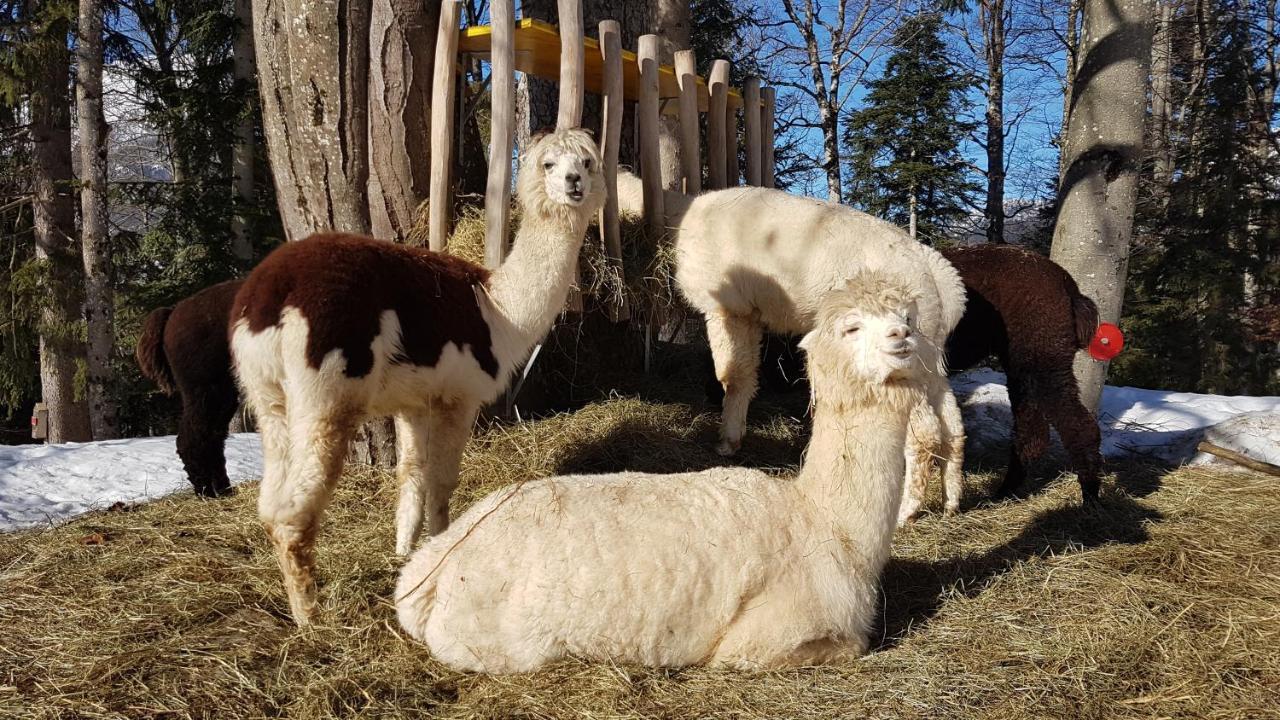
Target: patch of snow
{"x":1255,"y":434}
{"x":1154,"y":424}
{"x":46,"y":484}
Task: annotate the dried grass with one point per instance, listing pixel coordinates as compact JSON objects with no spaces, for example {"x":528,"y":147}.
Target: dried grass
{"x":1163,"y":601}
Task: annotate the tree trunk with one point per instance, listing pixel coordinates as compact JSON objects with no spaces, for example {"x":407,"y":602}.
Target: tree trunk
{"x":60,"y":346}
{"x":1072,"y":43}
{"x":671,"y":24}
{"x":313,"y":77}
{"x":1104,"y":153}
{"x":829,"y":121}
{"x":242,"y":153}
{"x":99,"y":313}
{"x":315,"y":116}
{"x":1161,"y":107}
{"x":993,"y":29}
{"x":402,"y":48}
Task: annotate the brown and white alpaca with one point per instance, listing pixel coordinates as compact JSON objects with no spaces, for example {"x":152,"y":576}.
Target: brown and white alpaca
{"x":335,"y":329}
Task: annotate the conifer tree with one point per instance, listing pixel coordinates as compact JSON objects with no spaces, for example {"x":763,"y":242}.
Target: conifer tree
{"x":903,"y":145}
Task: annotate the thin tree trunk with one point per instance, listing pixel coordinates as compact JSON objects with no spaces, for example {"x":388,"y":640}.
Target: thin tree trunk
{"x":993,"y":26}
{"x":401,"y":60}
{"x":1104,"y":153}
{"x":95,"y":249}
{"x":314,"y":85}
{"x":1069,"y":78}
{"x":242,"y":153}
{"x":1161,"y":108}
{"x":60,"y":347}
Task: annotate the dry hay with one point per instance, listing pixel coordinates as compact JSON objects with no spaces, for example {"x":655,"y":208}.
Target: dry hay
{"x":1163,"y":601}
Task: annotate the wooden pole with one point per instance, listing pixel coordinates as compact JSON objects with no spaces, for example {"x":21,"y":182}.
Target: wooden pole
{"x":572,"y":64}
{"x":612,"y":104}
{"x":442,"y":110}
{"x":497,"y":192}
{"x":770,"y":99}
{"x":690,"y":152}
{"x":717,"y":114}
{"x":647,"y":112}
{"x":733,"y":171}
{"x":751,"y":128}
{"x":1261,"y":466}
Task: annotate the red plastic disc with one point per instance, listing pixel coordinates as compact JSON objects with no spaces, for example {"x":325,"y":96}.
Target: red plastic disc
{"x":1107,"y":342}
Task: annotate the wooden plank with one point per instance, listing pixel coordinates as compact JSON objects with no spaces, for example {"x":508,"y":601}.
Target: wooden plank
{"x":612,"y":104}
{"x":732,"y":169}
{"x":538,"y":53}
{"x":443,"y":105}
{"x":751,"y":128}
{"x":647,"y":119}
{"x":690,"y":152}
{"x":497,"y":192}
{"x":572,"y":64}
{"x":717,"y":174}
{"x":769,"y":100}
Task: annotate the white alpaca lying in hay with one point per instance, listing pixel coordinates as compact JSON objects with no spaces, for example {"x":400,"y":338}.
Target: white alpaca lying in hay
{"x":753,"y":259}
{"x":727,"y":566}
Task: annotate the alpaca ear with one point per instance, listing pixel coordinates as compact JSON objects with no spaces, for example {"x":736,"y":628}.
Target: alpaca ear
{"x":806,"y":342}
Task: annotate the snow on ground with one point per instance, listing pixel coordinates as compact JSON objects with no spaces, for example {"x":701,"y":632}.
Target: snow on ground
{"x":1155,"y":424}
{"x":45,"y":484}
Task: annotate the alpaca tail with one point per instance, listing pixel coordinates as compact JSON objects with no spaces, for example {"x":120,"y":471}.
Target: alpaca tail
{"x":1086,"y":317}
{"x":150,"y":352}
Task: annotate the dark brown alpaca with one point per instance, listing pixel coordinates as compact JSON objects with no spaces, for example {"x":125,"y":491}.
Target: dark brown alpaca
{"x":1029,"y":313}
{"x":184,"y":349}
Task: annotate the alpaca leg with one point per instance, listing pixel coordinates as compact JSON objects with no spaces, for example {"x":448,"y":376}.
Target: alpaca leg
{"x":291,"y":508}
{"x":200,"y":442}
{"x":1078,"y":429}
{"x":952,"y":427}
{"x":735,"y":348}
{"x":411,"y":441}
{"x":447,"y":435}
{"x":924,"y":436}
{"x":1030,"y":432}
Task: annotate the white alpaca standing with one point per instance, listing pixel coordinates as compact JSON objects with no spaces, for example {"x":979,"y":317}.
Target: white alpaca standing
{"x":725,"y":567}
{"x":752,"y":259}
{"x":335,"y":329}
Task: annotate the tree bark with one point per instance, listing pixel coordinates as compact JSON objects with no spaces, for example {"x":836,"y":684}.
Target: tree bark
{"x":402,"y":50}
{"x":1104,"y":151}
{"x":313,"y":78}
{"x":1072,"y":43}
{"x":671,"y":24}
{"x":54,"y":211}
{"x":242,"y":153}
{"x":99,"y":313}
{"x":992,"y":17}
{"x":1161,"y":107}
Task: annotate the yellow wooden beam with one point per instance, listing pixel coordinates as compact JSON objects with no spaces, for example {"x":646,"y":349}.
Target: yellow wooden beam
{"x":537,"y":46}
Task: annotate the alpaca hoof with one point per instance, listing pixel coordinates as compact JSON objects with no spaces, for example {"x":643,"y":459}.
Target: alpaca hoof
{"x":726,"y":448}
{"x":908,"y":518}
{"x":951,"y":510}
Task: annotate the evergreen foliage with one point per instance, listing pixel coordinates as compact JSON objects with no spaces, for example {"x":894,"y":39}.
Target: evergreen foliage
{"x":904,"y":143}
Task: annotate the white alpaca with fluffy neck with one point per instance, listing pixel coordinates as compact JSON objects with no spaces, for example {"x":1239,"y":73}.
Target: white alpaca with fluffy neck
{"x":724,"y":567}
{"x":363,"y":303}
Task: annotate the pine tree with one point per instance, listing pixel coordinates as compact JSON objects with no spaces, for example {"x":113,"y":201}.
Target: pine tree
{"x":904,"y":144}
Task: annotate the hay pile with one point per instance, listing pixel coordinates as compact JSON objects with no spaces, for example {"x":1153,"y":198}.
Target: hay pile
{"x":1162,"y":602}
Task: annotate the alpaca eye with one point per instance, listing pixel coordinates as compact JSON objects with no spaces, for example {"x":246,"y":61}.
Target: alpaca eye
{"x":852,"y":330}
{"x":587,"y":163}
{"x":548,"y":165}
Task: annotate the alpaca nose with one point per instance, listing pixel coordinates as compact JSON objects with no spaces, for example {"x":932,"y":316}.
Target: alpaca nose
{"x":899,"y":332}
{"x":573,"y":178}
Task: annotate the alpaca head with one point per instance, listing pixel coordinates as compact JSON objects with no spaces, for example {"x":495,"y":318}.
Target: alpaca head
{"x":864,"y":344}
{"x":561,"y":173}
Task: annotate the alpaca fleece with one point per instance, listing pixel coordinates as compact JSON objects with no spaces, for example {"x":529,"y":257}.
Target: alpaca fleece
{"x":184,"y":350}
{"x":341,"y":285}
{"x":727,"y":566}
